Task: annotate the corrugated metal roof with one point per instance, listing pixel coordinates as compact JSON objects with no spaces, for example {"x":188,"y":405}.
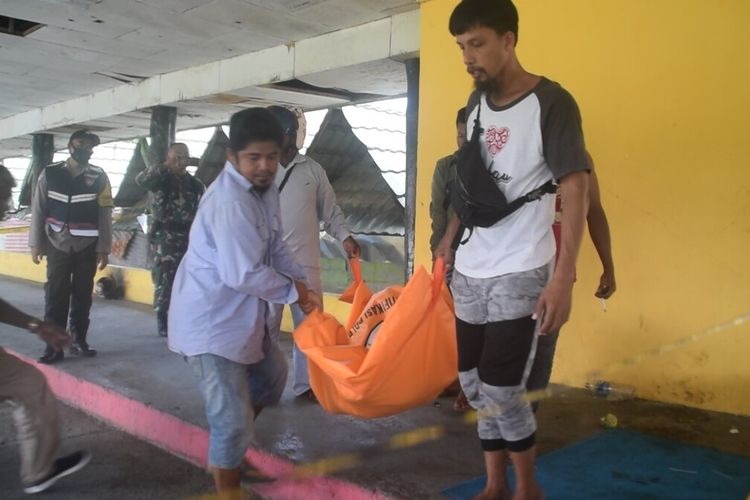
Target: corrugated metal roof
{"x":367,"y":200}
{"x":131,"y":193}
{"x":381,"y":126}
{"x":362,"y":150}
{"x":213,"y":158}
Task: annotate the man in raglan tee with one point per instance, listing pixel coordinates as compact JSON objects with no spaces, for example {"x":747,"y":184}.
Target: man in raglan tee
{"x":504,"y":286}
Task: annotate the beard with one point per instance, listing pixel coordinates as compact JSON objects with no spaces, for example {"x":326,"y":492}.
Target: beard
{"x":261,"y":189}
{"x":485,"y":83}
{"x":485,"y":86}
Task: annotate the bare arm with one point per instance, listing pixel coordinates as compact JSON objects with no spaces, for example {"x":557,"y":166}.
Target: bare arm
{"x":600,"y":236}
{"x":444,"y":249}
{"x":48,"y":332}
{"x":574,"y":190}
{"x":555,"y":301}
{"x":12,"y":316}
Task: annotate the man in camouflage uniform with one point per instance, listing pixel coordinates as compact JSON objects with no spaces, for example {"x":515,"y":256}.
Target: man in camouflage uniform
{"x":175,"y":197}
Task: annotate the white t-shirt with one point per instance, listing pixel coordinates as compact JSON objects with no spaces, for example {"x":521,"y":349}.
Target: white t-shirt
{"x":534,"y":139}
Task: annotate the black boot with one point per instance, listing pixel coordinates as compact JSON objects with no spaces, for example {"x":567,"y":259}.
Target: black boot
{"x":81,"y":348}
{"x":161,"y":322}
{"x":50,"y":356}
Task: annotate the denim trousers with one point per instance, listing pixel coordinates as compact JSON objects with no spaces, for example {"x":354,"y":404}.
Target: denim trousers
{"x":230,"y":390}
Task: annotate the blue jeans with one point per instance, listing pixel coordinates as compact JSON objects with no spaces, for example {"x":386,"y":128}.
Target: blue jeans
{"x":230,"y":390}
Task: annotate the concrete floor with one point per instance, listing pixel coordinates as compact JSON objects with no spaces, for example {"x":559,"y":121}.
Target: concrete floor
{"x":122,"y":467}
{"x":135,"y":362}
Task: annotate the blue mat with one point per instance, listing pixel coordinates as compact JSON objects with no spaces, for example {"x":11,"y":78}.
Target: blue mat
{"x":628,"y":465}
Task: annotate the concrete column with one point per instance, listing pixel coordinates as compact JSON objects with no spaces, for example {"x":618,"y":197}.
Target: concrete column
{"x":42,"y":151}
{"x":412,"y":125}
{"x":163,"y":121}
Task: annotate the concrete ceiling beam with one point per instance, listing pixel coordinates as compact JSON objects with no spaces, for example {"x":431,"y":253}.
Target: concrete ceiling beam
{"x":392,"y":38}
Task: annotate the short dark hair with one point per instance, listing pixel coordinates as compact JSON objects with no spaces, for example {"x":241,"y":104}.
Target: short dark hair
{"x":287,"y":119}
{"x":6,"y":178}
{"x":85,"y":134}
{"x":253,"y":125}
{"x":461,"y":116}
{"x":499,"y":15}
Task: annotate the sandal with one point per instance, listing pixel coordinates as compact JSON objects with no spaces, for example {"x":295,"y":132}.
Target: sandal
{"x":461,"y":403}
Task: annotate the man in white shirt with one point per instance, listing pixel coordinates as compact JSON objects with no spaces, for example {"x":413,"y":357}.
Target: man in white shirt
{"x":307,"y":199}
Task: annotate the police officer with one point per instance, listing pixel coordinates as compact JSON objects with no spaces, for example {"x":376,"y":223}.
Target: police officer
{"x":71,"y":223}
{"x":175,"y":197}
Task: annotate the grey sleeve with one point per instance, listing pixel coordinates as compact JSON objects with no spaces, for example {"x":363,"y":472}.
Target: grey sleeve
{"x":104,"y":242}
{"x":330,"y":213}
{"x":562,"y":132}
{"x":37,"y":236}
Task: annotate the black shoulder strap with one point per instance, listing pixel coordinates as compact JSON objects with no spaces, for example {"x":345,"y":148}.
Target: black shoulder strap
{"x":458,"y":238}
{"x":286,"y":177}
{"x":534,"y":195}
{"x":477,"y":124}
{"x":548,"y":187}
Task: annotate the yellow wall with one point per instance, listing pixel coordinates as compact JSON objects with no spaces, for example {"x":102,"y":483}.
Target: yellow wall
{"x":663,"y":89}
{"x":137,"y":281}
{"x":138,"y":287}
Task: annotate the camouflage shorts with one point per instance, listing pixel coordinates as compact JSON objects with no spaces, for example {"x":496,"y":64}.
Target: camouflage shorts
{"x":486,"y":300}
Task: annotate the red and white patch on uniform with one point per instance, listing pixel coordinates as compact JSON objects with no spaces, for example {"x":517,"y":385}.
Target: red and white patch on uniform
{"x":496,"y":139}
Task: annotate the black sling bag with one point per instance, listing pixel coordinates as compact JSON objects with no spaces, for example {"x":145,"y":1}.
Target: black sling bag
{"x":475,"y":197}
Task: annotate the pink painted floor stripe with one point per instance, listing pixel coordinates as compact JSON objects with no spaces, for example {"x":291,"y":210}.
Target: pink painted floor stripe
{"x":186,"y":440}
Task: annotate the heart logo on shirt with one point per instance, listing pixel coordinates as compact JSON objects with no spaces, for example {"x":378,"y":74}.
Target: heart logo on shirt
{"x":496,"y":138}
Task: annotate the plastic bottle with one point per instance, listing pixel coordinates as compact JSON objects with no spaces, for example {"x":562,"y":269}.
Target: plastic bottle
{"x":609,"y":391}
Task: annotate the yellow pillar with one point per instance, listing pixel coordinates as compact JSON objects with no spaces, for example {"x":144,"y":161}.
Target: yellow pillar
{"x":662,"y":88}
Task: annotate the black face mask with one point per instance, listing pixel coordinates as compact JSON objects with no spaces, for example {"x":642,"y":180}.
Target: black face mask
{"x":80,"y":155}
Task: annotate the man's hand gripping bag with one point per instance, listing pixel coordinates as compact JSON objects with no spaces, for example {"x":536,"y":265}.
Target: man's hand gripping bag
{"x":410,"y":362}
